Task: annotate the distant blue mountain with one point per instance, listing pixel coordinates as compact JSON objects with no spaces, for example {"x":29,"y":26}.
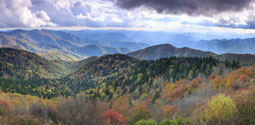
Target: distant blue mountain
{"x":220,"y":46}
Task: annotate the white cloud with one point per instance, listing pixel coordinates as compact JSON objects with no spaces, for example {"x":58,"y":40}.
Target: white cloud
{"x":96,"y":11}
{"x":42,"y":15}
{"x":103,"y":13}
{"x":92,"y":13}
{"x":17,"y":13}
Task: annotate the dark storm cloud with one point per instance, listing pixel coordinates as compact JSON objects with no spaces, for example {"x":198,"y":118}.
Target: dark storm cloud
{"x":190,"y":7}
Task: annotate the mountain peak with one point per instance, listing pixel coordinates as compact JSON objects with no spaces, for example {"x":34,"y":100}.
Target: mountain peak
{"x":168,"y":50}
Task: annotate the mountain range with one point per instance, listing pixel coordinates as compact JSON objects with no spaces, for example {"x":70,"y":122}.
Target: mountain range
{"x":221,"y":46}
{"x":20,"y":64}
{"x":64,"y":45}
{"x":154,"y":37}
{"x":225,"y":43}
{"x":77,"y":45}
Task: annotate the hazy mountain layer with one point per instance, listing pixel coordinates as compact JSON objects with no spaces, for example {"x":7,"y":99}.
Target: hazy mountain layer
{"x":221,"y":46}
{"x":60,"y":45}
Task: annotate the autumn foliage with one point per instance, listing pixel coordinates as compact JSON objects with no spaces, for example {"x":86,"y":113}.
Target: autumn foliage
{"x":113,"y":118}
{"x":4,"y":107}
{"x":168,"y":110}
{"x":243,"y":78}
{"x":4,"y":104}
{"x":240,"y":75}
{"x":180,"y":88}
{"x":146,"y":95}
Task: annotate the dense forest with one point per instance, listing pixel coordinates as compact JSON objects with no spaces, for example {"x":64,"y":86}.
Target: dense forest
{"x":115,"y":71}
{"x":121,"y":90}
{"x":20,"y":64}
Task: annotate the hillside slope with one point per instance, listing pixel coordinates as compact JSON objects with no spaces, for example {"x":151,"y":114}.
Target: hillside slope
{"x":104,"y":66}
{"x":128,"y":72}
{"x":98,"y":50}
{"x":20,"y":64}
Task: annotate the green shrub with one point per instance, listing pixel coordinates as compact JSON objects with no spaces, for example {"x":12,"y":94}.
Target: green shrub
{"x":146,"y":122}
{"x":220,"y":110}
{"x":144,"y":96}
{"x":176,"y":121}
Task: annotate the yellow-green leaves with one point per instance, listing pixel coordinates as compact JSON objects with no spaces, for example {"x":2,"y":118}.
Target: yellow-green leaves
{"x":220,"y":109}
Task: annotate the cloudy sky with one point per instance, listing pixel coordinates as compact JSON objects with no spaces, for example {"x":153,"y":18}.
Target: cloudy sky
{"x":166,"y":15}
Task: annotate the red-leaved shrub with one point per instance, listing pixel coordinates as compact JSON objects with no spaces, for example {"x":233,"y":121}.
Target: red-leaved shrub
{"x":114,"y":118}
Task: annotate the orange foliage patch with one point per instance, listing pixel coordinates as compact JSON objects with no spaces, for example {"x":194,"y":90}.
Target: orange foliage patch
{"x":4,"y":104}
{"x":168,"y":110}
{"x":243,"y":78}
{"x":180,"y":88}
{"x":211,"y":77}
{"x":239,"y":75}
{"x":174,"y":90}
{"x":218,"y":82}
{"x":194,"y":83}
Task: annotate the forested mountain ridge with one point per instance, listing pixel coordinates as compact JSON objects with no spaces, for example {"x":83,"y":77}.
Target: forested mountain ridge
{"x":109,"y":70}
{"x":105,"y":65}
{"x":139,"y":73}
{"x":167,"y":50}
{"x":100,"y":75}
{"x":244,"y":59}
{"x":20,"y":64}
